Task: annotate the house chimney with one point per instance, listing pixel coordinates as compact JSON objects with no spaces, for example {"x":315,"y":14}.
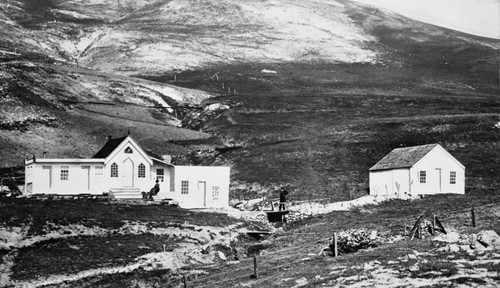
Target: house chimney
{"x":108,"y":138}
{"x":44,"y":154}
{"x":167,"y":159}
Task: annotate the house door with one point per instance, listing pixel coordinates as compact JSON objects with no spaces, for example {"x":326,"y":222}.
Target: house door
{"x":45,"y":180}
{"x":86,"y":178}
{"x":202,"y":190}
{"x":438,"y":170}
{"x":128,"y":173}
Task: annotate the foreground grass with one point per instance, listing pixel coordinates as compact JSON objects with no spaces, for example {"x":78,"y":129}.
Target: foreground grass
{"x":75,"y":254}
{"x":66,"y":237}
{"x":39,"y":213}
{"x":294,"y":254}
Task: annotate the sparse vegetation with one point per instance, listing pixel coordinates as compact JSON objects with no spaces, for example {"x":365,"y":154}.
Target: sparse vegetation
{"x":75,"y":254}
{"x":310,"y":112}
{"x":38,"y":213}
{"x":294,"y":253}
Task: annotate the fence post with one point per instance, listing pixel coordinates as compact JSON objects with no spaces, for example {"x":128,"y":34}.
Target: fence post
{"x":473,"y":215}
{"x":335,"y":245}
{"x":184,"y":280}
{"x":255,"y":272}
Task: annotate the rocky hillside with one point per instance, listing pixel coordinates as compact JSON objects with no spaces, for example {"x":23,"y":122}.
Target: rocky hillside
{"x":319,"y":90}
{"x":50,"y":102}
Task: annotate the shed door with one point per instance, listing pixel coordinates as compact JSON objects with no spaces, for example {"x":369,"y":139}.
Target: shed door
{"x":45,"y":180}
{"x":86,"y":177}
{"x":202,"y":190}
{"x":440,"y":185}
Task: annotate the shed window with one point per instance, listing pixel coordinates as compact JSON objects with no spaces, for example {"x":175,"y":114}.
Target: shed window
{"x":422,"y":176}
{"x":160,"y":175}
{"x":215,"y":192}
{"x":114,"y":170}
{"x":184,"y":187}
{"x":142,"y":171}
{"x":453,"y":177}
{"x":64,"y":172}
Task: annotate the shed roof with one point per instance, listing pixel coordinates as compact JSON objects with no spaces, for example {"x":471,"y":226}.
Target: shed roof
{"x":109,"y":147}
{"x":403,"y":157}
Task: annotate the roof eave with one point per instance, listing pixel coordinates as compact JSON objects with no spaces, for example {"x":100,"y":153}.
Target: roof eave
{"x":390,"y":168}
{"x":162,"y":162}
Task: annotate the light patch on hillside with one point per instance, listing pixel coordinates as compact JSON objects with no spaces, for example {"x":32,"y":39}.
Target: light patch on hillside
{"x":110,"y":10}
{"x":180,"y":35}
{"x":71,"y":14}
{"x":480,"y":17}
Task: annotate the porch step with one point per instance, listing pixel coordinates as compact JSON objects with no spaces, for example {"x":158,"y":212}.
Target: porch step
{"x":126,"y":193}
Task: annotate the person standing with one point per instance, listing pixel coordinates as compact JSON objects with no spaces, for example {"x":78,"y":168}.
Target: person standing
{"x":283,"y":194}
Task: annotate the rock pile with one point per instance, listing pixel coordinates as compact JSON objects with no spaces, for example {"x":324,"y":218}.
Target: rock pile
{"x":296,"y":215}
{"x":484,"y":240}
{"x":350,"y":241}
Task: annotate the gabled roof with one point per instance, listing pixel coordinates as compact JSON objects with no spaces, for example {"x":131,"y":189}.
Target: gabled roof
{"x":403,"y":157}
{"x":109,"y":147}
{"x":114,"y":144}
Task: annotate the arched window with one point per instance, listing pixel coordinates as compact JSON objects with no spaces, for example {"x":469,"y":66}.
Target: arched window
{"x":114,"y":170}
{"x":142,"y":171}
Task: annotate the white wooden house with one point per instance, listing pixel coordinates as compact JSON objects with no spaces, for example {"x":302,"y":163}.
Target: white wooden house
{"x":124,"y":169}
{"x":417,"y":170}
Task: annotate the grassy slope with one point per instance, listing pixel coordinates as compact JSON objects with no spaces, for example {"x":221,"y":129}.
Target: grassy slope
{"x":316,"y":125}
{"x":55,"y":257}
{"x":41,"y":89}
{"x":38,"y":213}
{"x":70,"y":255}
{"x":319,"y":127}
{"x":294,"y":253}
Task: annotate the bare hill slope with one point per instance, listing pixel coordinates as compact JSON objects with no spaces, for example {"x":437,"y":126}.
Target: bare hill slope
{"x":49,"y":102}
{"x":324,"y":88}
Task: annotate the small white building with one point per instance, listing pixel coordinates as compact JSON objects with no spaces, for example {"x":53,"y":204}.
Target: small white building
{"x":124,"y":169}
{"x":417,"y":170}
